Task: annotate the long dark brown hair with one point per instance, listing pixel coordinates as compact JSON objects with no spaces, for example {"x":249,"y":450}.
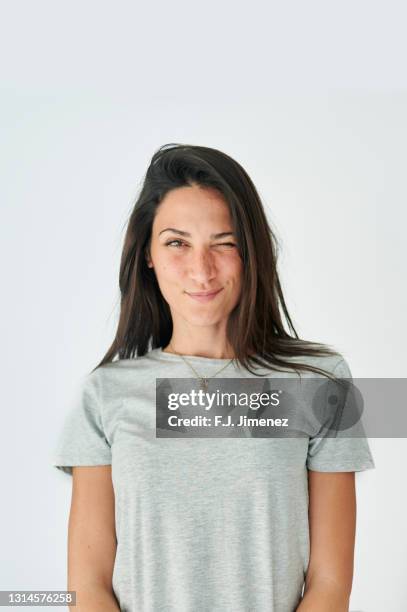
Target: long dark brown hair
{"x":255,"y":327}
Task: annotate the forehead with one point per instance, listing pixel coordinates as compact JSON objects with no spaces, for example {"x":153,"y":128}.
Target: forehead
{"x":189,"y":202}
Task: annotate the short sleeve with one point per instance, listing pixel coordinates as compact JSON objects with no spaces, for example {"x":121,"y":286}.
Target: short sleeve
{"x":340,"y":453}
{"x":82,"y":440}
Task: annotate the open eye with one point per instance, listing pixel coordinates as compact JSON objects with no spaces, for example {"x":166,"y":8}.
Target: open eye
{"x":172,"y":241}
{"x":180,"y":243}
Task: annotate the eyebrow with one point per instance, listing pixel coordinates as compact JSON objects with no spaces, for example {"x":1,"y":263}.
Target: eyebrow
{"x":182,"y":233}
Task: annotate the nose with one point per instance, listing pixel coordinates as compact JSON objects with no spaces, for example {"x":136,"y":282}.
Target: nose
{"x":202,"y":266}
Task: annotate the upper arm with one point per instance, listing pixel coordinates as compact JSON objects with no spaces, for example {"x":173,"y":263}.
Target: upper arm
{"x":332,"y":523}
{"x":91,"y":533}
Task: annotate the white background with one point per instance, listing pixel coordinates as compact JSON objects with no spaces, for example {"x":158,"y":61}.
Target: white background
{"x":311,"y":99}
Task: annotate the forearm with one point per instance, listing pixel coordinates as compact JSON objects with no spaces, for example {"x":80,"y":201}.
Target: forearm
{"x":95,"y":599}
{"x":324,"y":597}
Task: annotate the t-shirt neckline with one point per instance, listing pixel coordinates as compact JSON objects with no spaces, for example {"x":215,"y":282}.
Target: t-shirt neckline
{"x":194,"y":358}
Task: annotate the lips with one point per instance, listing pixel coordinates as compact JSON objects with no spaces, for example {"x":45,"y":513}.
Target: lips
{"x":203,"y":293}
{"x":203,"y":296}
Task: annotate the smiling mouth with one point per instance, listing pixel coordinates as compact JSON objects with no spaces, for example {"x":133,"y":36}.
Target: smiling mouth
{"x":204,"y":296}
{"x":203,"y":293}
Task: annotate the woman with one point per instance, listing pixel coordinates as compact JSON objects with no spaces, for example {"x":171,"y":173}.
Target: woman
{"x":182,"y":522}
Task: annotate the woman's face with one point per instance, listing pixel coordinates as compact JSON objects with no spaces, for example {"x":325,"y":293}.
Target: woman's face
{"x":190,"y":258}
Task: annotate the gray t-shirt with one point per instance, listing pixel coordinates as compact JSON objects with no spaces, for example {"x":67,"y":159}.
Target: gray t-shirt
{"x":202,"y":525}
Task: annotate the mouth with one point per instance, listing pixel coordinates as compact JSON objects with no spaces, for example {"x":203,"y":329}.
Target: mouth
{"x":204,"y":296}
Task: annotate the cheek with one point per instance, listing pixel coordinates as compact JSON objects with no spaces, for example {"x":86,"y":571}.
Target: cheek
{"x":232,"y":267}
{"x":170,"y":268}
{"x":175,"y":267}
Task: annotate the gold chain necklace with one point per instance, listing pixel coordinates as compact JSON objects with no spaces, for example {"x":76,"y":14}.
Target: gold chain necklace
{"x":203,"y":382}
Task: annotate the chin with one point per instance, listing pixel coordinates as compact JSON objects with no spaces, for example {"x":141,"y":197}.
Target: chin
{"x":203,"y":319}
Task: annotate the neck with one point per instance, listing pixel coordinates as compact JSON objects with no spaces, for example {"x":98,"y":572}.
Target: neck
{"x":185,"y":348}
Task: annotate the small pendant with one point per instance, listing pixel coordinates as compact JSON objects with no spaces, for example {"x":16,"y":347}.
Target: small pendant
{"x":204,"y":384}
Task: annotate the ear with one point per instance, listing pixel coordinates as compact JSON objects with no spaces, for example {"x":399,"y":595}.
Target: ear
{"x":148,"y":259}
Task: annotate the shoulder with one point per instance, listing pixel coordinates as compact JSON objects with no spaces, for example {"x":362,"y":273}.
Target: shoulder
{"x":110,"y":380}
{"x":335,"y":363}
{"x":119,"y":368}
